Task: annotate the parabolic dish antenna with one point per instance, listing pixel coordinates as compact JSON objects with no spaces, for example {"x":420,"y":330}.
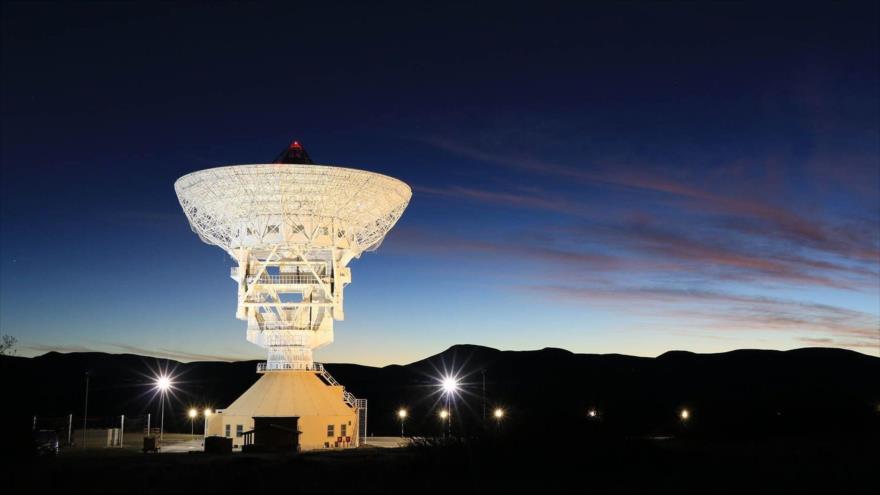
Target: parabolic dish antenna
{"x":292,"y":227}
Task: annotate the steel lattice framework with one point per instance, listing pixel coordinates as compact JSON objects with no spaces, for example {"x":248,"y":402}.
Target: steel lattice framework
{"x":293,"y":229}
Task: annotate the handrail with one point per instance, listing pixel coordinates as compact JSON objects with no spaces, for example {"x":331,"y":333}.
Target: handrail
{"x":283,"y":325}
{"x":264,"y":367}
{"x":349,"y":398}
{"x":287,"y":278}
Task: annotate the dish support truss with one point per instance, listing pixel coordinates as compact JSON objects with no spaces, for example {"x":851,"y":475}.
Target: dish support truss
{"x":292,"y":229}
{"x":290,"y":299}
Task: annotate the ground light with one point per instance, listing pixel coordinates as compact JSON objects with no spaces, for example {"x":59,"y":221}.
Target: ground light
{"x":192,"y":422}
{"x":444,"y":417}
{"x":402,"y":415}
{"x":498,"y":414}
{"x":685,"y":415}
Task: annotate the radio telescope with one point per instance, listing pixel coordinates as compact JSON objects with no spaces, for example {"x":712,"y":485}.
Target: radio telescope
{"x":292,"y":228}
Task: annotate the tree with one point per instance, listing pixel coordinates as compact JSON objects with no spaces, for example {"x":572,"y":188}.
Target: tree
{"x":7,"y":345}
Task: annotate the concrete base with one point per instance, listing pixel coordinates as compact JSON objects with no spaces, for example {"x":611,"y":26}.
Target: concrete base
{"x":325,"y":419}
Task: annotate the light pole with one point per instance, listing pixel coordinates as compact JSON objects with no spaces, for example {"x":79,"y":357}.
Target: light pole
{"x":444,"y":417}
{"x":86,"y":411}
{"x":483,"y":373}
{"x":402,"y":415}
{"x":192,"y":423}
{"x":450,"y":387}
{"x":207,"y":413}
{"x":498,"y":414}
{"x":162,"y":418}
{"x":163,"y":384}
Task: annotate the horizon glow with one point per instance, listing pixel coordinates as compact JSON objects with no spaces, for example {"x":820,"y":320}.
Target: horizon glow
{"x":604,"y":186}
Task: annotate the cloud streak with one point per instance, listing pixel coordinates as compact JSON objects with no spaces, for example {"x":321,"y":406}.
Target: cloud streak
{"x":753,"y":213}
{"x":724,"y":311}
{"x":114,"y":348}
{"x":690,"y":233}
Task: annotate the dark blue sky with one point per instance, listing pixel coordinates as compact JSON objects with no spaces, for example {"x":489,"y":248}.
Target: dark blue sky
{"x":625,"y":177}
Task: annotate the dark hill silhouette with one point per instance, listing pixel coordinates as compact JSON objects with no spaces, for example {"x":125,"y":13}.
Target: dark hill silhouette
{"x":744,"y":392}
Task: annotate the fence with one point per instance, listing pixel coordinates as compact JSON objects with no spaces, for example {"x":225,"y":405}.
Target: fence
{"x":122,"y":431}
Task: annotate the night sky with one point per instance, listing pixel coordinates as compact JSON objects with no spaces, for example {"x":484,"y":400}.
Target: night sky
{"x":626,"y":178}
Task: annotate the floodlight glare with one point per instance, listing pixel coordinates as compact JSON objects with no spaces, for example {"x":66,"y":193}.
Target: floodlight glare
{"x":685,"y":414}
{"x":499,"y":413}
{"x":449,"y":384}
{"x":193,"y":413}
{"x":591,"y":413}
{"x":444,"y":414}
{"x":207,"y":412}
{"x":401,"y":413}
{"x":163,"y":383}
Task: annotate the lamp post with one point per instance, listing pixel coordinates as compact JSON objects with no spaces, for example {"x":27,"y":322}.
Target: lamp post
{"x":444,"y":417}
{"x":192,"y":423}
{"x":498,"y":414}
{"x":163,"y":383}
{"x":402,"y":415}
{"x":483,"y":395}
{"x":450,"y":387}
{"x":86,"y":411}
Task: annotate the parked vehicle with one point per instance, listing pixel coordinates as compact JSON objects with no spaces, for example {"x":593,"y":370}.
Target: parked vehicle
{"x":45,"y":442}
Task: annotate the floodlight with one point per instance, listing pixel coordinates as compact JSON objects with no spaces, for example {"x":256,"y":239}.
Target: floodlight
{"x":207,"y":412}
{"x":685,"y":414}
{"x":401,"y":414}
{"x":592,"y":413}
{"x":193,"y":413}
{"x":449,"y":384}
{"x":499,"y":413}
{"x":163,"y":383}
{"x":444,"y":414}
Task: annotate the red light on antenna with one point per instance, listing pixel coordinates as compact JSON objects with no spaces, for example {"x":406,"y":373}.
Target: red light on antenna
{"x":296,"y":145}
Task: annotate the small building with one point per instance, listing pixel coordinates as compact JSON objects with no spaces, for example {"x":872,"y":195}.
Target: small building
{"x":324,"y":415}
{"x":273,"y":435}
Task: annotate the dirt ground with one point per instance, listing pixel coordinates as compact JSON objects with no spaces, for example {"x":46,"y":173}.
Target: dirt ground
{"x":97,"y":440}
{"x":621,"y":466}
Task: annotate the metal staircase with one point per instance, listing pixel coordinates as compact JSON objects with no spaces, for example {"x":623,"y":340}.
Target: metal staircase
{"x":359,"y":405}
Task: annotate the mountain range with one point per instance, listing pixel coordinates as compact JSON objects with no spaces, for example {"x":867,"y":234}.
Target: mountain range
{"x":743,"y":392}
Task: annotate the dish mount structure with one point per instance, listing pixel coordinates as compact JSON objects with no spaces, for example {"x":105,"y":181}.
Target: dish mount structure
{"x":292,"y":227}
